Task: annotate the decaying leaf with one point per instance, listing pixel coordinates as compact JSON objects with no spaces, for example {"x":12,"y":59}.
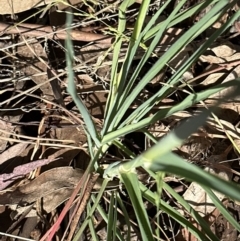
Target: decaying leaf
{"x":35,"y":65}
{"x":16,"y":6}
{"x":222,"y":54}
{"x":235,"y":73}
{"x":12,"y":152}
{"x":5,"y":127}
{"x":225,"y":50}
{"x":19,"y":171}
{"x":229,"y":127}
{"x":53,"y":187}
{"x":73,"y":134}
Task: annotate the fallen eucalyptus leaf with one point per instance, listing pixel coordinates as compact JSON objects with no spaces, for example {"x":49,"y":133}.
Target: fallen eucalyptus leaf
{"x":19,"y":171}
{"x":12,"y":152}
{"x":53,"y":187}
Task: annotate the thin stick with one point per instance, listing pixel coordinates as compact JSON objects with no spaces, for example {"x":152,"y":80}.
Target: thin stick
{"x":50,"y":233}
{"x":82,"y":206}
{"x":36,"y":30}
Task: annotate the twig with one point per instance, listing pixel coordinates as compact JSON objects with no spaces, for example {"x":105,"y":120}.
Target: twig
{"x":82,"y":206}
{"x":36,"y":30}
{"x":50,"y":233}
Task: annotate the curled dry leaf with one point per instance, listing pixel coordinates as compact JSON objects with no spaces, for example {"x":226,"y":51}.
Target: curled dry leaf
{"x":212,"y":78}
{"x":212,"y":59}
{"x":53,"y":187}
{"x":231,"y":102}
{"x":220,"y":59}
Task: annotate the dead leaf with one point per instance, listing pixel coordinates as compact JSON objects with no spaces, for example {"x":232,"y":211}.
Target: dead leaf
{"x":223,"y":54}
{"x":212,"y":59}
{"x":229,"y":127}
{"x":212,"y":78}
{"x":12,"y":152}
{"x":21,"y":170}
{"x":53,"y":187}
{"x":6,"y":127}
{"x":224,"y":50}
{"x":35,"y":65}
{"x":74,"y":134}
{"x":16,"y":6}
{"x":235,"y":73}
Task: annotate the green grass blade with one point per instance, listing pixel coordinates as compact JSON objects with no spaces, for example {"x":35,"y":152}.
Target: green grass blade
{"x":90,"y":213}
{"x":105,"y":218}
{"x":126,"y":217}
{"x":160,"y":158}
{"x":174,"y":164}
{"x":118,"y":80}
{"x":132,"y":185}
{"x":187,"y":102}
{"x":191,"y":211}
{"x":151,"y":197}
{"x":186,"y":38}
{"x":71,"y":88}
{"x":91,"y":226}
{"x":144,"y":59}
{"x":180,"y":17}
{"x":117,"y":47}
{"x":165,"y":90}
{"x":111,"y":220}
{"x":222,"y":209}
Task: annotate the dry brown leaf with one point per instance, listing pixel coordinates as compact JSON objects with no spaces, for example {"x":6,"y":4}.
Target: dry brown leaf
{"x":224,"y":50}
{"x":69,"y":133}
{"x":233,"y":57}
{"x":212,"y":59}
{"x":35,"y":66}
{"x":223,"y":54}
{"x":19,"y":171}
{"x":36,"y":63}
{"x":65,"y":156}
{"x":235,"y":73}
{"x":53,"y":187}
{"x":16,"y":6}
{"x":212,"y":78}
{"x":12,"y":152}
{"x":5,"y":126}
{"x":229,"y":127}
{"x":230,"y":102}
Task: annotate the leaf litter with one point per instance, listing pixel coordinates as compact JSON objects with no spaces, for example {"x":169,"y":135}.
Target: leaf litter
{"x":34,"y":101}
